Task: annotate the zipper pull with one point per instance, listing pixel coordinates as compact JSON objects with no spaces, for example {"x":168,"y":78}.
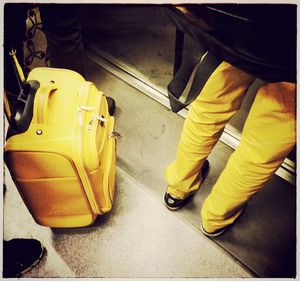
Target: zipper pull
{"x":79,"y":113}
{"x":102,"y":120}
{"x":86,"y":108}
{"x":115,"y":134}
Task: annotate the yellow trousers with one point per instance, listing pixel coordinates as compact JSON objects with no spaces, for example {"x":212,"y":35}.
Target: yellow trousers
{"x":268,"y":136}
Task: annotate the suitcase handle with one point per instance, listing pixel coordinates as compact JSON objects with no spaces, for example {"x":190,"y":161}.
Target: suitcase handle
{"x":42,"y":102}
{"x":24,"y":113}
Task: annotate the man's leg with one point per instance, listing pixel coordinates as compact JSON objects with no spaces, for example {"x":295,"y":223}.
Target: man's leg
{"x":62,"y":27}
{"x":268,"y":136}
{"x":63,"y":30}
{"x":219,"y":100}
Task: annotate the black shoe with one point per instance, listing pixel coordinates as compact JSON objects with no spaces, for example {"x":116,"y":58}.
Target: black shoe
{"x":111,"y":105}
{"x":20,"y":255}
{"x":220,"y":231}
{"x":174,"y":203}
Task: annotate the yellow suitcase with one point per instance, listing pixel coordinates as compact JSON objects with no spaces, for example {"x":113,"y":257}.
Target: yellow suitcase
{"x":63,"y":159}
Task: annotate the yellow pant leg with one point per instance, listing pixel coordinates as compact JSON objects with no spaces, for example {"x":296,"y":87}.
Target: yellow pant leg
{"x":218,"y":101}
{"x":268,"y":136}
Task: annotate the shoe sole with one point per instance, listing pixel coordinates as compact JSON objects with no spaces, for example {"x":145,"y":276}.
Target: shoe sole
{"x":215,"y":234}
{"x":172,"y":208}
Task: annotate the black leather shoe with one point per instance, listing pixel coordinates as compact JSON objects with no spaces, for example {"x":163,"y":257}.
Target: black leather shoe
{"x":111,"y":105}
{"x":174,"y":203}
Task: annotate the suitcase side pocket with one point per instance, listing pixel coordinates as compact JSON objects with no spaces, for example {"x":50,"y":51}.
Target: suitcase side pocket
{"x":91,"y":140}
{"x":103,"y":178}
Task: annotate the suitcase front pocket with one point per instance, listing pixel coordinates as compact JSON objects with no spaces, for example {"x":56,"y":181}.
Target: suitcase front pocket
{"x":54,"y":197}
{"x":51,"y":188}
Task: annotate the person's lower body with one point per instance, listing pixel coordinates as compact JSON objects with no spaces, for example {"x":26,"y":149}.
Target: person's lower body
{"x":209,"y":113}
{"x":218,"y":101}
{"x":20,"y":256}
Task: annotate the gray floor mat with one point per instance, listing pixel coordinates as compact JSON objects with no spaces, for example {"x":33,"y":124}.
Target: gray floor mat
{"x":264,"y":238}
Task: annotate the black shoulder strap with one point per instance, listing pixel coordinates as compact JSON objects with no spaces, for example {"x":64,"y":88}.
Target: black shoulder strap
{"x":202,"y":71}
